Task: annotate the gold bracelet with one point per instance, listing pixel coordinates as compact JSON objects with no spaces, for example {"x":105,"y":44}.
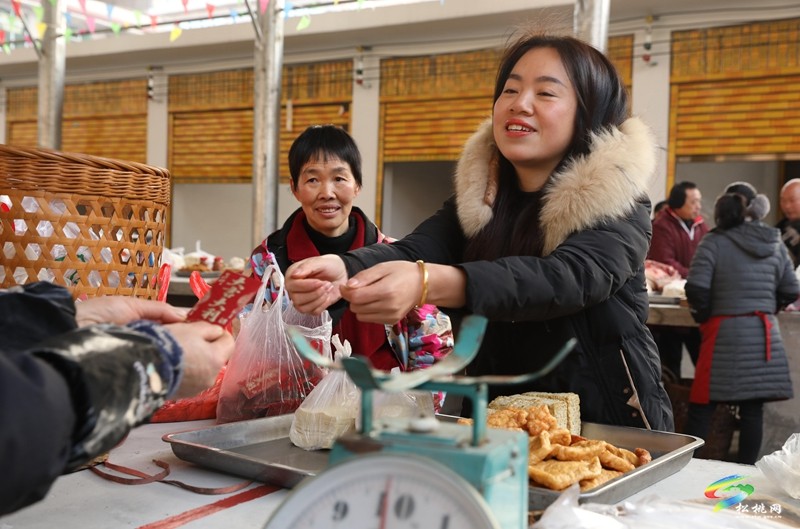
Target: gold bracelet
{"x":424,"y":271}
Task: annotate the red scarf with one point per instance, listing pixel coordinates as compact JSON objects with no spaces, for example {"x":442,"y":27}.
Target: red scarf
{"x":366,"y":339}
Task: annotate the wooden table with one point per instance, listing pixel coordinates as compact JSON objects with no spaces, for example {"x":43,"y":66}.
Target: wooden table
{"x":671,"y":315}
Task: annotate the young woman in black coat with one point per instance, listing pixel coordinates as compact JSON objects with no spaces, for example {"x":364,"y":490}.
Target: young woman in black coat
{"x":546,"y":236}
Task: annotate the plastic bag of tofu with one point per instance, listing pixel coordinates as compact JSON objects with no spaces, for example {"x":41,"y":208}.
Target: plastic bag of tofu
{"x":330,"y":409}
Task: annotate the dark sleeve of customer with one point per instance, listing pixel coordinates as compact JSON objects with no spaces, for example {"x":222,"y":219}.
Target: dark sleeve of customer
{"x":698,"y":284}
{"x":71,"y":395}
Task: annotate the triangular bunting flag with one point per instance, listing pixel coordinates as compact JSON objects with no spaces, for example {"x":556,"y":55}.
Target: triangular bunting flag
{"x":38,"y":12}
{"x":262,"y":6}
{"x":83,"y":5}
{"x":210,"y":9}
{"x":109,"y":10}
{"x":90,"y":22}
{"x":185,"y":6}
{"x":175,"y":33}
{"x":41,"y":27}
{"x":153,"y":21}
{"x":304,"y":23}
{"x":115,"y":27}
{"x":16,"y":5}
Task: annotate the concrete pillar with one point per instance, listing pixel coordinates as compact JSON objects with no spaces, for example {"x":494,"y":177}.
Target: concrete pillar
{"x":591,"y":22}
{"x":266,"y":118}
{"x":365,"y":128}
{"x":52,"y":61}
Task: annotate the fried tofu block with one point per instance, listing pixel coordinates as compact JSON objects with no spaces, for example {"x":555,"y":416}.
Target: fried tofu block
{"x":560,"y":436}
{"x":558,"y":475}
{"x":582,"y":450}
{"x":605,"y":475}
{"x":539,"y":448}
{"x":614,"y":462}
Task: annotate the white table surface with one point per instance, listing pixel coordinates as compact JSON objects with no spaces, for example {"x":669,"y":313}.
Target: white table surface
{"x":86,"y":501}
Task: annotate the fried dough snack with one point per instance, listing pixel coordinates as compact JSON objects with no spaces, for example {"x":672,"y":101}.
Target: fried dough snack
{"x":605,"y":475}
{"x":557,"y":458}
{"x":558,"y":475}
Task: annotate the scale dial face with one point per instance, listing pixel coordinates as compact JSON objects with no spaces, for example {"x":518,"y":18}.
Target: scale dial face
{"x":384,"y":491}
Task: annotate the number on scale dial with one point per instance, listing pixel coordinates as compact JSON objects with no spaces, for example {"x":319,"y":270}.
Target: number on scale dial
{"x":384,"y":491}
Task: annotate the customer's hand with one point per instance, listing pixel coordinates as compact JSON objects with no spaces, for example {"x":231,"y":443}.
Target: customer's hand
{"x":206,"y":348}
{"x":121,"y":310}
{"x":313,"y":283}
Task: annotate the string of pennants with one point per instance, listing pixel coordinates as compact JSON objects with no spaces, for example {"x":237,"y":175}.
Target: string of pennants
{"x":13,"y":34}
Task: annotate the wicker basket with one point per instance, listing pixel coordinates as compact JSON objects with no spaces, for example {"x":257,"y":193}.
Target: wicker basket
{"x":94,"y":225}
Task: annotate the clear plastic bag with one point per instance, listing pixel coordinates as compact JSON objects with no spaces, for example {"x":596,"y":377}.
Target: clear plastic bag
{"x":399,"y":404}
{"x":650,"y":512}
{"x":782,"y":467}
{"x":330,"y":410}
{"x":266,"y":376}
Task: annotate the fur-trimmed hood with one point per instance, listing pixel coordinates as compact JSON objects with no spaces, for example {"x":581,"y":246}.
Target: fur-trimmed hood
{"x":605,"y":184}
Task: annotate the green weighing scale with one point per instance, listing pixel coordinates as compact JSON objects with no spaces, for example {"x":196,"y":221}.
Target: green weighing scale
{"x":419,"y":473}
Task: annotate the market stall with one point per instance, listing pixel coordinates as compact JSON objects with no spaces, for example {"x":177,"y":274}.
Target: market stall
{"x":84,"y":500}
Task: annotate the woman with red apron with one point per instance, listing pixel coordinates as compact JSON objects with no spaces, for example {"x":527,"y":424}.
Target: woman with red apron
{"x":740,"y":277}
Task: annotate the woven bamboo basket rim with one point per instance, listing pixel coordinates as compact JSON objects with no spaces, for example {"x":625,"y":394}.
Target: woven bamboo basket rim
{"x":28,"y":168}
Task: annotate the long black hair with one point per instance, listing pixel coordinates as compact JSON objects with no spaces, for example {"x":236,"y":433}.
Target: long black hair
{"x":602,"y":103}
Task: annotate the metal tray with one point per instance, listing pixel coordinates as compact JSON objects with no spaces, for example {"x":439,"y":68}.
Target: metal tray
{"x":671,"y":452}
{"x":260,"y":449}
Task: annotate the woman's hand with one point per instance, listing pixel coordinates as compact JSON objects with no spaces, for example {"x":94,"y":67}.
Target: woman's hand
{"x":313,"y":283}
{"x":386,"y":292}
{"x":206,"y":348}
{"x":121,"y":310}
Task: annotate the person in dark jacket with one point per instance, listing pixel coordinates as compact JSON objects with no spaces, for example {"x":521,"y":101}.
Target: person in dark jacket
{"x":679,"y":228}
{"x":75,"y":378}
{"x":741,"y":275}
{"x":546,"y":236}
{"x":325,"y":167}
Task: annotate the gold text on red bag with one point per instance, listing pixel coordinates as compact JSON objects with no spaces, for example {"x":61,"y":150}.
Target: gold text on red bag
{"x":228,"y":295}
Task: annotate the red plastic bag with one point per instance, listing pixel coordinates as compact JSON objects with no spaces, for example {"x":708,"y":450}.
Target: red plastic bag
{"x":266,"y":376}
{"x":201,"y":406}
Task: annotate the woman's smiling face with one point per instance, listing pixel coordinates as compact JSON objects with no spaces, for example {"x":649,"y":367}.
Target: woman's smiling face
{"x":326,"y":189}
{"x":534,"y":117}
